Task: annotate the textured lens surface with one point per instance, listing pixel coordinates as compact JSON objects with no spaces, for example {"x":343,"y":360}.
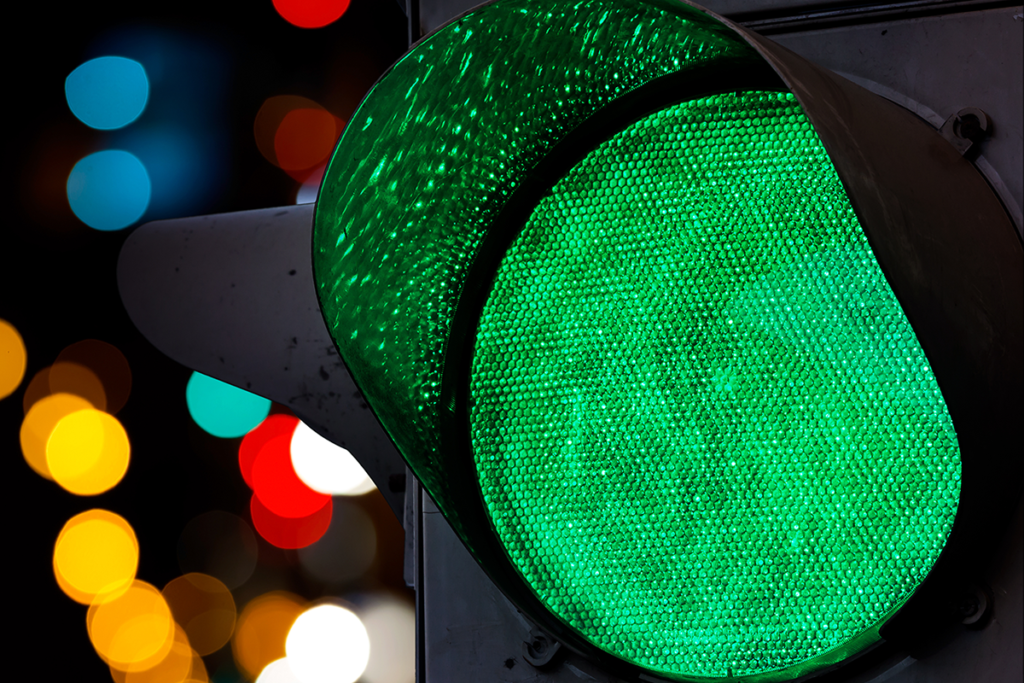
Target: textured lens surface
{"x":433,"y":154}
{"x":703,"y":426}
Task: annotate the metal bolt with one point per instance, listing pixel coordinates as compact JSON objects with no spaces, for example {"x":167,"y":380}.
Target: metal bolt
{"x":540,"y":649}
{"x":966,"y":128}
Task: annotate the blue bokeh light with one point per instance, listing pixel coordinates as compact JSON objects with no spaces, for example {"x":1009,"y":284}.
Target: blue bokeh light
{"x":185,"y":165}
{"x":223,"y":410}
{"x":107,"y":92}
{"x":109,"y":190}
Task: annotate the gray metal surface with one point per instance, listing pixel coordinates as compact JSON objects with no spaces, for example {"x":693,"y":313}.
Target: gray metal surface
{"x":944,"y":63}
{"x":232,"y":296}
{"x":470,"y":631}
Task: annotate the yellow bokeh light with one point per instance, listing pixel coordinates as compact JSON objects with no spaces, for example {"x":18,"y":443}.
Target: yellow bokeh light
{"x":96,"y":556}
{"x":13,"y":359}
{"x":88,"y":452}
{"x":38,"y":424}
{"x":262,"y":630}
{"x":175,"y":667}
{"x":134,"y":631}
{"x":205,"y":608}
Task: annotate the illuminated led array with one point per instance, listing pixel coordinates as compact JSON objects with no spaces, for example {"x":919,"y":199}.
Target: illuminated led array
{"x":433,"y":154}
{"x":703,"y":426}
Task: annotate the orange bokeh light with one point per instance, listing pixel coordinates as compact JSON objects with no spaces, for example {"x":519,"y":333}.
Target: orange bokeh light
{"x":199,"y":674}
{"x":13,"y":359}
{"x":39,"y":423}
{"x":175,"y":667}
{"x":262,"y":630}
{"x":134,"y":631}
{"x":87,"y":452}
{"x":205,"y":609}
{"x":71,"y":378}
{"x":37,"y":389}
{"x":96,"y":556}
{"x":107,"y":364}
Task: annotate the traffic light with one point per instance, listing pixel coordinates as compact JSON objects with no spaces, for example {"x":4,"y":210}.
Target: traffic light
{"x":710,"y":357}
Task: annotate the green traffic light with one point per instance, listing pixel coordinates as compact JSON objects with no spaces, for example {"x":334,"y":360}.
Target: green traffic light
{"x":704,"y":428}
{"x":649,"y":367}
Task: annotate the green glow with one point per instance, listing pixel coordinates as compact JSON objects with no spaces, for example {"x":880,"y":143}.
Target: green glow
{"x":430,"y":159}
{"x":703,"y":426}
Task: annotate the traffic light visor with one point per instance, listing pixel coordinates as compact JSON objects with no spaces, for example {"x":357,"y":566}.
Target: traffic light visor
{"x":595,"y":272}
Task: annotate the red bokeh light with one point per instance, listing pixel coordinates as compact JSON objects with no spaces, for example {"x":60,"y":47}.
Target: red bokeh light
{"x":255,"y":440}
{"x":277,"y":486}
{"x":290,"y":532}
{"x":311,"y":13}
{"x":305,"y":138}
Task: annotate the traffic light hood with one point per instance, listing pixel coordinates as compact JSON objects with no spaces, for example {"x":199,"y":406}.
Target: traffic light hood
{"x":699,"y":348}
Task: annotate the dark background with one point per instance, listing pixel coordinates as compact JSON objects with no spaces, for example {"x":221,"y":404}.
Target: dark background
{"x":218,"y":62}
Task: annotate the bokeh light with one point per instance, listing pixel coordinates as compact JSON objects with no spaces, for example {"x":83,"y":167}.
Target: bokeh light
{"x":278,"y":486}
{"x":107,"y":364}
{"x":39,"y":423}
{"x":309,"y":190}
{"x":221,"y":409}
{"x":88,"y":452}
{"x":326,"y":467}
{"x":107,"y":92}
{"x":328,"y":644}
{"x":391,"y":625}
{"x":255,"y":440}
{"x":109,"y":190}
{"x":219,"y":544}
{"x":175,"y":667}
{"x":71,"y":378}
{"x":297,"y":135}
{"x":278,"y":671}
{"x":37,"y":388}
{"x":305,"y":138}
{"x":199,"y":673}
{"x":134,"y":631}
{"x":204,"y":608}
{"x":346,"y":550}
{"x":269,"y":118}
{"x":185,"y":165}
{"x":290,"y":532}
{"x":96,"y":556}
{"x":311,"y":13}
{"x":13,"y":358}
{"x":262,"y":629}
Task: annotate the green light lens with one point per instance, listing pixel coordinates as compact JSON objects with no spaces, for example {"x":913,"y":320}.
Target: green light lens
{"x":704,"y":429}
{"x":432,"y":156}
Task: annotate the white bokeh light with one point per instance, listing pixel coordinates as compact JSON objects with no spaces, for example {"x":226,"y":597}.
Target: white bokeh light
{"x":391,"y":625}
{"x":327,"y":644}
{"x":278,"y":671}
{"x":326,"y":467}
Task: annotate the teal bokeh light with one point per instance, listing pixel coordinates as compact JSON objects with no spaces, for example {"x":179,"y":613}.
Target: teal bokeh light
{"x":107,"y":92}
{"x":223,"y":410}
{"x":109,"y":190}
